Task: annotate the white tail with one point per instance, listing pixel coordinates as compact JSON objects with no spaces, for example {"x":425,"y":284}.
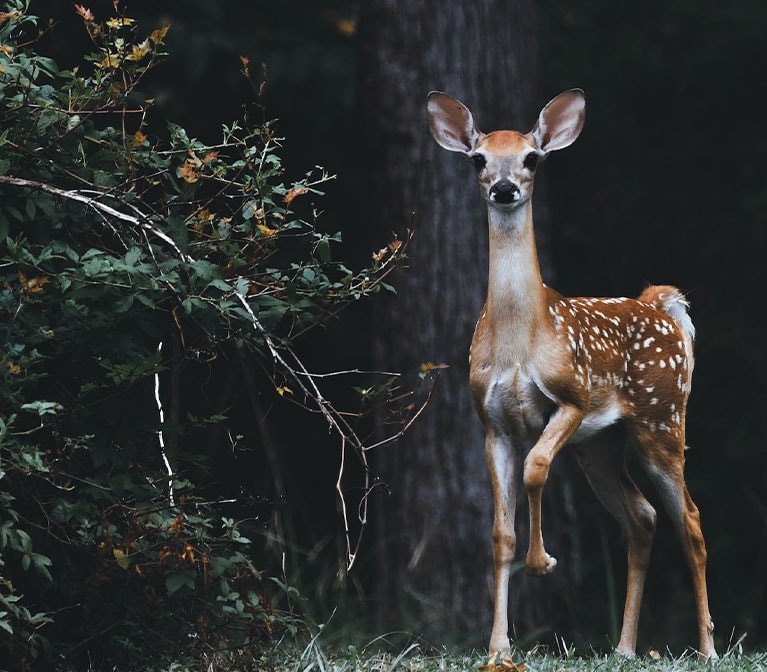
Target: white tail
{"x":551,"y":370}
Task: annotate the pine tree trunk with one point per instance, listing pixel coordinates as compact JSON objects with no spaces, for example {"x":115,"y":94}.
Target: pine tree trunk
{"x":434,"y":529}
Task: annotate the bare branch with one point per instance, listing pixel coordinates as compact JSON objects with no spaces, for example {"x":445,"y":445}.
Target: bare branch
{"x":102,"y":208}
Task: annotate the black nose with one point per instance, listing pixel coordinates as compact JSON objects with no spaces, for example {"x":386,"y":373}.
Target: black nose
{"x":504,"y":192}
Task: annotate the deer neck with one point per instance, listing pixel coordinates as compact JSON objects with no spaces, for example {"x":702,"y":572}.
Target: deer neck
{"x":516,"y":297}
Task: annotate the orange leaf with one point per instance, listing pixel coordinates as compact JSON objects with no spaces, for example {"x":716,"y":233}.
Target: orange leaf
{"x":293,"y":193}
{"x":85,"y":14}
{"x":347,"y":27}
{"x":188,"y":172}
{"x":210,"y":157}
{"x":378,"y":256}
{"x":158,"y":35}
{"x":138,"y":139}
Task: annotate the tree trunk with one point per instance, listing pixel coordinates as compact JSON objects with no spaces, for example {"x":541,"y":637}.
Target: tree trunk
{"x":434,"y":529}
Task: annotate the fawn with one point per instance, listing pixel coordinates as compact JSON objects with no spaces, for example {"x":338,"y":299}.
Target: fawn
{"x":548,"y":370}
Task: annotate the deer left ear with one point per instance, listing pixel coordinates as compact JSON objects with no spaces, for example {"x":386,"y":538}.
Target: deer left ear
{"x":560,"y":121}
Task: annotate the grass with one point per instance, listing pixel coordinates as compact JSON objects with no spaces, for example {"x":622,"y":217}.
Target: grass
{"x":315,"y":658}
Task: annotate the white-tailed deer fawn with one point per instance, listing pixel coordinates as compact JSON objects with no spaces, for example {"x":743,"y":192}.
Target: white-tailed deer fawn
{"x":548,"y":370}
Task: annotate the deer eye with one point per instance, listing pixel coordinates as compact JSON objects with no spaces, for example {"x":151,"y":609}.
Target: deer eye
{"x":531,"y":161}
{"x":479,"y":161}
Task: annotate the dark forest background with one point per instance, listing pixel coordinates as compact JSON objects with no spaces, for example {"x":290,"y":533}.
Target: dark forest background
{"x":665,"y":185}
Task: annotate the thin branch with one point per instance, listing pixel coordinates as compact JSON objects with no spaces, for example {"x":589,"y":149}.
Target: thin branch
{"x":98,"y":206}
{"x":160,"y":433}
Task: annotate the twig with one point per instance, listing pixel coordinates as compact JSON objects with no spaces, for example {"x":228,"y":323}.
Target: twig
{"x":161,"y":435}
{"x":98,"y":206}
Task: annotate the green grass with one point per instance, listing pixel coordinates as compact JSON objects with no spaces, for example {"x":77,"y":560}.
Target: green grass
{"x":315,"y":658}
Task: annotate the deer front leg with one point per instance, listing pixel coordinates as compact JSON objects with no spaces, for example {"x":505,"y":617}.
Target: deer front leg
{"x":559,"y":430}
{"x":502,"y":467}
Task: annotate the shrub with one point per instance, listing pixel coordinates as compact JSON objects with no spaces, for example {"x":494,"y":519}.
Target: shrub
{"x":133,"y":260}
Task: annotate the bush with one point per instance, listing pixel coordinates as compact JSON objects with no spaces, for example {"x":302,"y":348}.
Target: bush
{"x":134,"y":261}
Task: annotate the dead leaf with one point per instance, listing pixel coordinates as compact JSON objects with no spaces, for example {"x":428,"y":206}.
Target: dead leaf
{"x":426,"y":367}
{"x":505,"y":664}
{"x":293,"y":193}
{"x":188,"y":172}
{"x":654,"y":654}
{"x":138,"y":139}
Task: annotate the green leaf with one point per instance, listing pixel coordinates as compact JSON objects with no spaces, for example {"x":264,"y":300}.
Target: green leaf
{"x":178,"y":580}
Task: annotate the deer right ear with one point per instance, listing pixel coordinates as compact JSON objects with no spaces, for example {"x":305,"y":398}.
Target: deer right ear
{"x":451,"y":123}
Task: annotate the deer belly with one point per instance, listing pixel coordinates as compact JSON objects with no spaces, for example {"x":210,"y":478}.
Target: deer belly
{"x":514,"y":404}
{"x":600,"y":415}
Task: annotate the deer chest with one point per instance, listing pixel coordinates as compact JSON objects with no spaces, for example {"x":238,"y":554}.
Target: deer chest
{"x":510,"y":401}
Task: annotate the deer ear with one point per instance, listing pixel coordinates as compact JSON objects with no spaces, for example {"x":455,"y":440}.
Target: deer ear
{"x":560,"y":121}
{"x":451,"y":123}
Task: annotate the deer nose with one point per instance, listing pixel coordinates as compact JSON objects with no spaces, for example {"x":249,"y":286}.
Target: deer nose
{"x":504,"y":192}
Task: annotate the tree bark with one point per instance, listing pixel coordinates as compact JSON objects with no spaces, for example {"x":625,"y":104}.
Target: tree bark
{"x":434,"y":529}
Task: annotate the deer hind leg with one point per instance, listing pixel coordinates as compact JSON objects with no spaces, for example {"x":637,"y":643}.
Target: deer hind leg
{"x":663,"y":457}
{"x":605,"y":468}
{"x":501,"y":462}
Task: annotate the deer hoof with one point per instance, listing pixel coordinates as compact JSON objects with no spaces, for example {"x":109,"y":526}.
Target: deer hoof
{"x":535,"y":568}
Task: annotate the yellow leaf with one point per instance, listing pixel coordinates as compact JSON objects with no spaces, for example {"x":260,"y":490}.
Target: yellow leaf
{"x":109,"y":61}
{"x":138,"y":51}
{"x":158,"y":35}
{"x":266,"y":231}
{"x":428,"y":367}
{"x":15,"y":369}
{"x":138,"y":139}
{"x":282,"y":390}
{"x":34,"y":285}
{"x":347,"y":27}
{"x":119,"y":22}
{"x":121,"y":558}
